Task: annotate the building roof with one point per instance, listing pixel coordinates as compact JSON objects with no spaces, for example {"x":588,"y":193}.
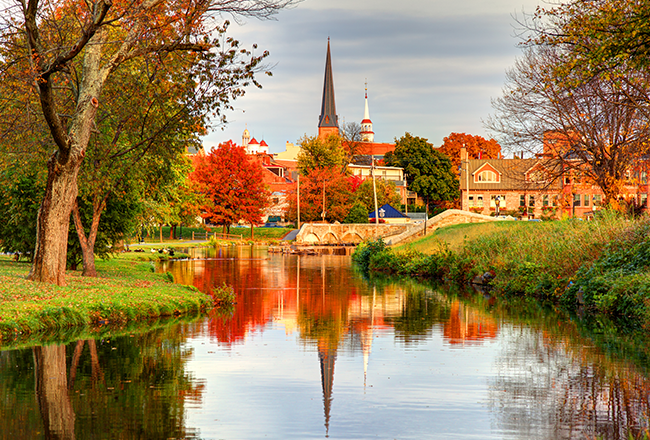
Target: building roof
{"x":388,"y":212}
{"x":514,"y":174}
{"x":328,"y":116}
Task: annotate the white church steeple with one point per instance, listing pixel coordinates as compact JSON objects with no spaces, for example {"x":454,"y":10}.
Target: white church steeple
{"x":367,"y":135}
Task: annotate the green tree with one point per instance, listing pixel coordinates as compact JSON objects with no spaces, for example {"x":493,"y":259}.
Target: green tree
{"x":318,"y":153}
{"x":65,"y":52}
{"x":428,"y":172}
{"x":386,"y":193}
{"x":358,"y":214}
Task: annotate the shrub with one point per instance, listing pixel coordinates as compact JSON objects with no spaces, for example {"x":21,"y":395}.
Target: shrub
{"x":365,"y":250}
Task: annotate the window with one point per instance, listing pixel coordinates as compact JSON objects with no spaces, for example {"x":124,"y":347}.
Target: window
{"x":486,"y":176}
{"x":522,"y":200}
{"x":538,"y":176}
{"x":545,"y":200}
{"x":643,"y":199}
{"x":585,"y":199}
{"x":598,"y":199}
{"x":554,"y":200}
{"x":567,"y":180}
{"x":479,"y":201}
{"x":576,"y":200}
{"x":531,"y":201}
{"x":471,"y":201}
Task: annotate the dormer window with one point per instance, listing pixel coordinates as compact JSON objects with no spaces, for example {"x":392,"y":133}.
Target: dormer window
{"x":486,"y":176}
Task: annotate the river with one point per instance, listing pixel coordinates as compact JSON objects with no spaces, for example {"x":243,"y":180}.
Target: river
{"x":314,"y":350}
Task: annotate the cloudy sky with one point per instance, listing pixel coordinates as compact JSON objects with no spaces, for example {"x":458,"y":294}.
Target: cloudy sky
{"x":432,"y":67}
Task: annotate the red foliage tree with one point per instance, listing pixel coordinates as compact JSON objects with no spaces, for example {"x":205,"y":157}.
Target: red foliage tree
{"x":338,"y":197}
{"x":477,"y":147}
{"x":232,"y":184}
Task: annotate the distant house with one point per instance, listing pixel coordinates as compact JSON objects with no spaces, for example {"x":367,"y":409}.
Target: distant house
{"x":529,"y":186}
{"x":388,"y":214}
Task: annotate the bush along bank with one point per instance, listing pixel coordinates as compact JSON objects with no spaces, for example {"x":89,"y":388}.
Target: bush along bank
{"x":602,"y":266}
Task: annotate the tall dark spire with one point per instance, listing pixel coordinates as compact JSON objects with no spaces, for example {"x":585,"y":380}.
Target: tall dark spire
{"x":328,"y":121}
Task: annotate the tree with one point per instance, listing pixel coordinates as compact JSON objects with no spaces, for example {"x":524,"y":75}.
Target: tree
{"x":21,"y":190}
{"x":318,"y":153}
{"x":233,"y":185}
{"x":352,"y":143}
{"x":322,"y":190}
{"x":427,"y":171}
{"x":66,"y":52}
{"x":358,"y":214}
{"x":595,"y":36}
{"x":386,"y":193}
{"x":477,"y":147}
{"x":596,"y":129}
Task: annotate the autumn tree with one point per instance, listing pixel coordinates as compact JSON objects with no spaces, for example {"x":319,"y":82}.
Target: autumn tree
{"x":428,"y":172}
{"x":477,"y":147}
{"x":596,"y":128}
{"x":66,"y":52}
{"x":595,"y":36}
{"x":322,"y":191}
{"x":233,"y":185}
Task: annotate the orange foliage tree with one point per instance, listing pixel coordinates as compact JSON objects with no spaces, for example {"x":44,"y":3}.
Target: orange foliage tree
{"x":337,"y":196}
{"x":476,"y":146}
{"x":232,"y":184}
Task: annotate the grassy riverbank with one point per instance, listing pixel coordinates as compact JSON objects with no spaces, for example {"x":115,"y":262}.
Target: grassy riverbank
{"x":126,"y":290}
{"x":603,"y":265}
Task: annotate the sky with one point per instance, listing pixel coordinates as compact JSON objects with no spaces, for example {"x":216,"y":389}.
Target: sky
{"x":432,"y":67}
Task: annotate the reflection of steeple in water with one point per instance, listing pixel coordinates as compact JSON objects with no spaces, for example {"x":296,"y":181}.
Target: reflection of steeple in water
{"x":327,"y":358}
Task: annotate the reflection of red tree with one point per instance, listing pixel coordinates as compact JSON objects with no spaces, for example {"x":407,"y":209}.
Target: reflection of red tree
{"x":467,"y":326}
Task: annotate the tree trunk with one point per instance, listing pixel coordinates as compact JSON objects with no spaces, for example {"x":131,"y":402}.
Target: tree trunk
{"x":252,"y":232}
{"x":53,"y":222}
{"x":52,"y":392}
{"x":88,"y":242}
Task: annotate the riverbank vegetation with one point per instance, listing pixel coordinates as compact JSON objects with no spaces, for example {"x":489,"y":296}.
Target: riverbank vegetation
{"x":601,"y":266}
{"x":125,"y":291}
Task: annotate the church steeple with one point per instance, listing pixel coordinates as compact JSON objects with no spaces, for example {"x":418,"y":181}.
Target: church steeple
{"x":367,"y":135}
{"x":328,"y":121}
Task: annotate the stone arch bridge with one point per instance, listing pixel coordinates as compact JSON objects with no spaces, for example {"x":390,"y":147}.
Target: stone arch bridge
{"x":346,"y":234}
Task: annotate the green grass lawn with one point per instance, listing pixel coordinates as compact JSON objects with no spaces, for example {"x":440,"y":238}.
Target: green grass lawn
{"x":126,"y":290}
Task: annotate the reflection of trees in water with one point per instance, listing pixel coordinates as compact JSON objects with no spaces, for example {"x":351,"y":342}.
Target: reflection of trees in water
{"x":128,"y":387}
{"x":549,"y":389}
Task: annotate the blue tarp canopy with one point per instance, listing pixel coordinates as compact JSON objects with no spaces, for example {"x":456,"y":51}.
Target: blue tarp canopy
{"x":386,"y":211}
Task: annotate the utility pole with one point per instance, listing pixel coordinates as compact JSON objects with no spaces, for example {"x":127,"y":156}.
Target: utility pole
{"x":374,"y":189}
{"x":323,"y":201}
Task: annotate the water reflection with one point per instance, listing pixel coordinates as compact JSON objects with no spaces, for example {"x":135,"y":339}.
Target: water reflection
{"x":314,"y":350}
{"x":128,"y":387}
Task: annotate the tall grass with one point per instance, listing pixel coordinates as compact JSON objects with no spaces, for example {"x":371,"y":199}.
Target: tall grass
{"x":603,"y":265}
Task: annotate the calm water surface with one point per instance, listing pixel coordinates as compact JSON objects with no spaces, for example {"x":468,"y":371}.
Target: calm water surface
{"x":311,"y":350}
